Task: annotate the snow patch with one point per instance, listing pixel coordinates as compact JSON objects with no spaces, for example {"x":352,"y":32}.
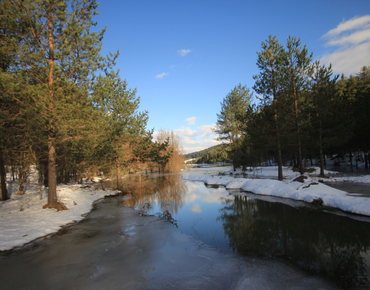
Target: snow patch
{"x":23,"y":219}
{"x":307,"y":191}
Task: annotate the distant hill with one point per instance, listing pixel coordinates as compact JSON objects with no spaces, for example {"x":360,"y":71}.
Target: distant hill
{"x":202,"y":153}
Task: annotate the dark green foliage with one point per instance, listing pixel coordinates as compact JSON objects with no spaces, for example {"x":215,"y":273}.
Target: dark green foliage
{"x":304,"y":112}
{"x":270,"y":84}
{"x":233,"y":118}
{"x":258,"y":228}
{"x":201,"y":153}
{"x":55,"y":111}
{"x":215,"y":154}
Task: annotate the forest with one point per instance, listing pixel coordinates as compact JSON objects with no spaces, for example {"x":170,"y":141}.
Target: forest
{"x":304,"y":111}
{"x":64,"y":108}
{"x":66,"y":111}
{"x":214,"y":154}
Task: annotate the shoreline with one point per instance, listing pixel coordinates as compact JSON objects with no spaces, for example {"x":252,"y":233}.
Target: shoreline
{"x":24,"y":220}
{"x":303,"y":188}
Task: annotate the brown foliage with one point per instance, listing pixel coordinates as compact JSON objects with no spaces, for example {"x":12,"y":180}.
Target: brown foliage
{"x":176,"y":161}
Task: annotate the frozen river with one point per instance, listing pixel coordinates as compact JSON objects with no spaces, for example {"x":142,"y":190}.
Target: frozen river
{"x":211,"y":239}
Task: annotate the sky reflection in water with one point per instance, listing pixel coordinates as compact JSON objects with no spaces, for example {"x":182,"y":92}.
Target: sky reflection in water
{"x":318,"y":242}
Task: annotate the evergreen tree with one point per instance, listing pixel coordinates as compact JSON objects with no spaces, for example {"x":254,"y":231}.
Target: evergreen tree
{"x":269,"y":84}
{"x":363,"y":109}
{"x":160,"y":153}
{"x":60,"y":55}
{"x":12,"y":106}
{"x":231,"y":120}
{"x":323,"y":89}
{"x":123,"y":123}
{"x":296,"y":71}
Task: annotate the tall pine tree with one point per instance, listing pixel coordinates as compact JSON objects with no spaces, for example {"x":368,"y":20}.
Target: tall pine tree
{"x":268,"y":84}
{"x":60,"y":55}
{"x":123,"y":122}
{"x":231,"y":120}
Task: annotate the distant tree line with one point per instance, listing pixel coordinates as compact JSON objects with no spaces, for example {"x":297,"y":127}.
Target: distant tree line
{"x":214,"y":154}
{"x":63,"y":107}
{"x":304,"y":111}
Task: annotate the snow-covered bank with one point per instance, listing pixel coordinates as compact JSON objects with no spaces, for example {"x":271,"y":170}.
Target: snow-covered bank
{"x":301,"y":188}
{"x":272,"y":171}
{"x":23,"y":219}
{"x":360,"y":179}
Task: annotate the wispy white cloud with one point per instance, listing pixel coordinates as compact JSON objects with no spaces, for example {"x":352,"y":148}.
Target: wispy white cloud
{"x":354,"y":23}
{"x":183,"y":52}
{"x":352,"y":41}
{"x":349,"y":61}
{"x":356,"y":37}
{"x":160,"y":76}
{"x":196,"y":208}
{"x":191,"y":121}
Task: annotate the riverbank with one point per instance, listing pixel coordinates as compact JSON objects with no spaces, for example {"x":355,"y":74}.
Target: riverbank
{"x":23,"y":218}
{"x":307,"y":188}
{"x":116,"y":248}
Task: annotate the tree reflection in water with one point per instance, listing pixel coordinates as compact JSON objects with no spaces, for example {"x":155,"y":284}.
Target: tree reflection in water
{"x":166,"y":190}
{"x":321,"y":243}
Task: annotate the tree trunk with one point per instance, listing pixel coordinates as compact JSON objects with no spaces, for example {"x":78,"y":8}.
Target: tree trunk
{"x":322,"y":173}
{"x":41,"y":167}
{"x":4,"y":190}
{"x":294,"y":161}
{"x":119,"y":176}
{"x":22,"y":173}
{"x":45,"y":172}
{"x":52,"y":177}
{"x":280,"y":159}
{"x":66,"y":176}
{"x":22,"y":179}
{"x":298,"y":130}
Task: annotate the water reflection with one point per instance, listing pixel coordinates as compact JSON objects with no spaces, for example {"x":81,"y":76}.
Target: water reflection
{"x":166,"y":191}
{"x":318,"y":242}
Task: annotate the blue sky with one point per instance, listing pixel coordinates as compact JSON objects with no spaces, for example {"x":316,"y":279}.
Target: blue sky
{"x":184,"y":57}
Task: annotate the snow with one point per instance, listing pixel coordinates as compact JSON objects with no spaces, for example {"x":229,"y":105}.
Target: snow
{"x":271,"y":171}
{"x":23,"y":219}
{"x":307,"y":191}
{"x":362,"y":179}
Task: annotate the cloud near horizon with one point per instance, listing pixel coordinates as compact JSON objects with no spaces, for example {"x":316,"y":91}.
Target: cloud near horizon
{"x":160,"y":76}
{"x":195,"y":140}
{"x":183,"y":52}
{"x":191,"y":121}
{"x":352,"y":41}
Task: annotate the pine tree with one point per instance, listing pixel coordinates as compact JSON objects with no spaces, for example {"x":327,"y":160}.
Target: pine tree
{"x":323,"y":88}
{"x":60,"y":55}
{"x":12,"y":132}
{"x":296,"y":70}
{"x":231,"y":120}
{"x":268,"y":84}
{"x":123,"y":123}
